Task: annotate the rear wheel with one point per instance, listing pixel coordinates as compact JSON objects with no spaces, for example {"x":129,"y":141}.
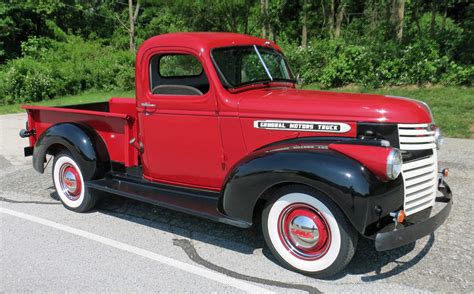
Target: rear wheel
{"x":307,"y":232}
{"x":69,"y":183}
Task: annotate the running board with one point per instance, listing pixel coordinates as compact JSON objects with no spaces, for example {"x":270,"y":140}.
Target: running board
{"x":195,"y":202}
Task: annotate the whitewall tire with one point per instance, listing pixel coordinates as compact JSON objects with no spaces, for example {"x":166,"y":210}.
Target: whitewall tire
{"x":69,"y":182}
{"x":307,"y":232}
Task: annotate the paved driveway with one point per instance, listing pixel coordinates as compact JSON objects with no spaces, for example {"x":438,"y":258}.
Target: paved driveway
{"x":125,"y":246}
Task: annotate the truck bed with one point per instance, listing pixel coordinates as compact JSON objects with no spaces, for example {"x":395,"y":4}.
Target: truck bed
{"x":115,"y":121}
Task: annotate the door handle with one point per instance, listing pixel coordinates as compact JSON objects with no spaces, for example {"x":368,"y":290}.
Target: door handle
{"x":146,"y":104}
{"x":146,"y":108}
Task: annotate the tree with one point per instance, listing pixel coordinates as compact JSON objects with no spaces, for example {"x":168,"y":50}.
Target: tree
{"x":267,"y":31}
{"x":397,"y":17}
{"x":132,"y":20}
{"x":304,"y":24}
{"x":336,"y":16}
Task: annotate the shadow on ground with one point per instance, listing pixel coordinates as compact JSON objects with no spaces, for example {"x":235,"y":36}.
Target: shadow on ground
{"x":366,"y":262}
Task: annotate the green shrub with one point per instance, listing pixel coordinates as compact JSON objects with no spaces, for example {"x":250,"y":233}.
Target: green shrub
{"x":334,"y":63}
{"x":50,"y":68}
{"x":457,"y":75}
{"x":26,"y":80}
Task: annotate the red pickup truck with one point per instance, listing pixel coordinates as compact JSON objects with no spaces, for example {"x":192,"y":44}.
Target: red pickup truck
{"x":218,"y":129}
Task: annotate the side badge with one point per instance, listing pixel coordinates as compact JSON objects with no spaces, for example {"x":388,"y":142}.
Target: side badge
{"x":302,"y":126}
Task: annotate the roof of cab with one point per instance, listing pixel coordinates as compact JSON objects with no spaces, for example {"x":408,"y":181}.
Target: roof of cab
{"x":203,"y":40}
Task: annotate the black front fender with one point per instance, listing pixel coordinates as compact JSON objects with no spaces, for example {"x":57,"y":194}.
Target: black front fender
{"x":345,"y":181}
{"x":84,"y":143}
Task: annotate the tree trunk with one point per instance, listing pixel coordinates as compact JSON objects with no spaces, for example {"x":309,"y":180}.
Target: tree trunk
{"x":331,"y":17}
{"x":433,"y":17}
{"x":338,"y":20}
{"x":132,"y":21}
{"x":335,"y":18}
{"x":397,"y":17}
{"x":304,"y":30}
{"x":400,"y":17}
{"x":323,"y":10}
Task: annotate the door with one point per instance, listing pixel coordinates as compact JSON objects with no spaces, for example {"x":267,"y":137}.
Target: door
{"x":179,"y":123}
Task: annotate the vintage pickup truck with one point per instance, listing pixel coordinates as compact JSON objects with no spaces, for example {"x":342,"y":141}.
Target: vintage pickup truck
{"x":219,"y":129}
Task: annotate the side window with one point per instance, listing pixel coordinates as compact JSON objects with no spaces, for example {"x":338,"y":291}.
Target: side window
{"x":179,"y":66}
{"x":177,"y":74}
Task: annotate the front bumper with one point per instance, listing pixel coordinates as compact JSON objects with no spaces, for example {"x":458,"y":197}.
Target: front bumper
{"x":408,"y":234}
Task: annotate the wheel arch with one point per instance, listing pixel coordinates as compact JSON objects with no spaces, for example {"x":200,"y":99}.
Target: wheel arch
{"x":269,"y":195}
{"x":84,"y":144}
{"x":343,"y":180}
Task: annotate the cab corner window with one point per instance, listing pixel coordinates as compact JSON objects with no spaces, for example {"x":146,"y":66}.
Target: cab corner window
{"x":177,"y":74}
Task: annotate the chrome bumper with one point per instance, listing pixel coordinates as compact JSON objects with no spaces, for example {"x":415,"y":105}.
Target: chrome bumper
{"x":408,"y":234}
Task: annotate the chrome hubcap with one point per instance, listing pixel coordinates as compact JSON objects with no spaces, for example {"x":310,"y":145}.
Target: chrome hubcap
{"x":304,"y":232}
{"x":70,"y":181}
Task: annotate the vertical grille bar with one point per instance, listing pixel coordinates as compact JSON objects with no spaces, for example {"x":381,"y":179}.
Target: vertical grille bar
{"x":419,"y":175}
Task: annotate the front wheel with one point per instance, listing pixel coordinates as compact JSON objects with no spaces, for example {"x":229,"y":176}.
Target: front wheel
{"x":69,"y":183}
{"x":307,"y":232}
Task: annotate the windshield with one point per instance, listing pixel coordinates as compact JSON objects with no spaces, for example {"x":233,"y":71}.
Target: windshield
{"x":243,"y":65}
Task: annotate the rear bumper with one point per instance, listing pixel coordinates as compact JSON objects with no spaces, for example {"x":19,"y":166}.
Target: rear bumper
{"x":402,"y":236}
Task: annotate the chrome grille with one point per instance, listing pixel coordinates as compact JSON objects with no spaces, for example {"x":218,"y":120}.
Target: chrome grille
{"x":420,"y":175}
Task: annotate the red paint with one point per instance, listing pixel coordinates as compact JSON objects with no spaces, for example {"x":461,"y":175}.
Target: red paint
{"x":289,"y":103}
{"x":196,"y":140}
{"x":116,"y":129}
{"x":372,"y":157}
{"x":125,"y":106}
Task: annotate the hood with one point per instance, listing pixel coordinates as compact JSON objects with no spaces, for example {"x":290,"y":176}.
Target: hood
{"x":289,"y":103}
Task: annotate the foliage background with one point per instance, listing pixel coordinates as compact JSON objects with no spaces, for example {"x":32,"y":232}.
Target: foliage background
{"x":52,"y":48}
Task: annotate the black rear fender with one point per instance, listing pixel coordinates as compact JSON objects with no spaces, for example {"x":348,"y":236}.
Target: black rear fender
{"x":345,"y":181}
{"x":82,"y":142}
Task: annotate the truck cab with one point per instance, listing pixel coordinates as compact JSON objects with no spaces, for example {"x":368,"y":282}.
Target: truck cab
{"x":219,"y":129}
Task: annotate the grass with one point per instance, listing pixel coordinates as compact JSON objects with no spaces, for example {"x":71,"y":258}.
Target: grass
{"x":452,"y":107}
{"x":87,"y":97}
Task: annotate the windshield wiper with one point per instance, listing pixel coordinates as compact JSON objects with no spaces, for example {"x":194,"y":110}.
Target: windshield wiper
{"x":263,"y":63}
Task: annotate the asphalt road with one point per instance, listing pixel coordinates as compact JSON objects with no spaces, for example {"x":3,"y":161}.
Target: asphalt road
{"x":127,"y":246}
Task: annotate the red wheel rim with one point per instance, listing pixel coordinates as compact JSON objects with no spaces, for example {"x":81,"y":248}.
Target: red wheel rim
{"x":70,"y":181}
{"x":304,"y":231}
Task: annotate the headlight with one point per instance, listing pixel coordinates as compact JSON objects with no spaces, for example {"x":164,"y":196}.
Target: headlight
{"x":438,"y":138}
{"x":394,"y":164}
